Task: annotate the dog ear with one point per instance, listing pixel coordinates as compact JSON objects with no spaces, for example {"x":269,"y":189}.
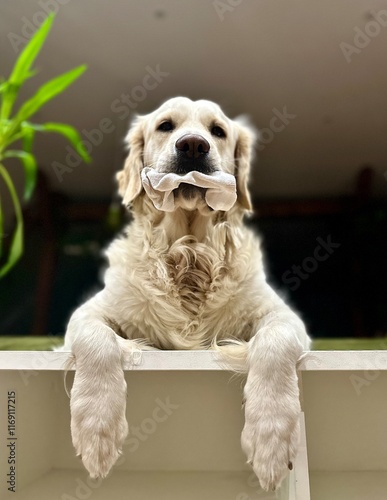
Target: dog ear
{"x":243,"y":158}
{"x":129,"y":178}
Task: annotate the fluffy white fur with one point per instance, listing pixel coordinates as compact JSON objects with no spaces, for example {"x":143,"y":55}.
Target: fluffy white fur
{"x":188,"y":279}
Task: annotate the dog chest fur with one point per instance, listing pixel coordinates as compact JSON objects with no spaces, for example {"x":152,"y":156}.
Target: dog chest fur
{"x":192,"y":292}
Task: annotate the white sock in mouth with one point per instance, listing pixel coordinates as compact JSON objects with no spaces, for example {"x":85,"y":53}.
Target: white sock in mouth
{"x":220,"y":188}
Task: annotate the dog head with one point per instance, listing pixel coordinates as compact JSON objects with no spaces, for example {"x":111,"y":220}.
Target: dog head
{"x":182,"y":136}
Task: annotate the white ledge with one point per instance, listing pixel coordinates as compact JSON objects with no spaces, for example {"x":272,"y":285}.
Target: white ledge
{"x":197,"y":360}
{"x":344,"y":360}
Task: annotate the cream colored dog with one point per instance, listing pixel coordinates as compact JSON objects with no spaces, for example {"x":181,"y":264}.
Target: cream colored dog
{"x":191,"y":278}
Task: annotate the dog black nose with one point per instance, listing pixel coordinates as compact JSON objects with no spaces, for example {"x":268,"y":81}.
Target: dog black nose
{"x":192,"y":145}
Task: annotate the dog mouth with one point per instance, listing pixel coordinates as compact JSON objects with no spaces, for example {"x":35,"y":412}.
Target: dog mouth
{"x":189,"y":192}
{"x":191,"y":197}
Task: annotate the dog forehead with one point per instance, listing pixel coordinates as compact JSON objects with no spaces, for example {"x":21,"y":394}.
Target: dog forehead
{"x":185,"y":108}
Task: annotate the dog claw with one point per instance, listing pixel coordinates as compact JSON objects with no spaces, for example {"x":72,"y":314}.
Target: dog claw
{"x":290,"y":466}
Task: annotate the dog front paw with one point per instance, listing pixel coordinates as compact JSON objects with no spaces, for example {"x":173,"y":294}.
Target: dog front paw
{"x":98,"y":425}
{"x":270,"y":438}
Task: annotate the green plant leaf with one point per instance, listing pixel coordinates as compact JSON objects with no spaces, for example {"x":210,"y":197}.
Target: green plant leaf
{"x":22,"y":68}
{"x":16,"y":248}
{"x":28,"y":135}
{"x":30,"y":168}
{"x":47,"y":92}
{"x":15,"y":251}
{"x":17,"y":128}
{"x":8,"y":98}
{"x":22,"y":132}
{"x":69,"y":132}
{"x":1,"y":230}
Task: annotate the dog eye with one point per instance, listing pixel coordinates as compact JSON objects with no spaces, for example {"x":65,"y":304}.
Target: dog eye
{"x":166,"y":126}
{"x":218,"y":131}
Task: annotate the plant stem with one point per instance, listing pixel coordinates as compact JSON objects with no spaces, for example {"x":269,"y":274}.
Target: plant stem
{"x":12,"y":191}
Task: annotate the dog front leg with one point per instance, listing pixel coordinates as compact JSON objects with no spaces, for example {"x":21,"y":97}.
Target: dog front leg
{"x":272,"y":406}
{"x":98,"y":395}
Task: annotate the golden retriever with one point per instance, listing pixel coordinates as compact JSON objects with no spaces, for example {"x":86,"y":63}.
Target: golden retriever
{"x":189,"y":278}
